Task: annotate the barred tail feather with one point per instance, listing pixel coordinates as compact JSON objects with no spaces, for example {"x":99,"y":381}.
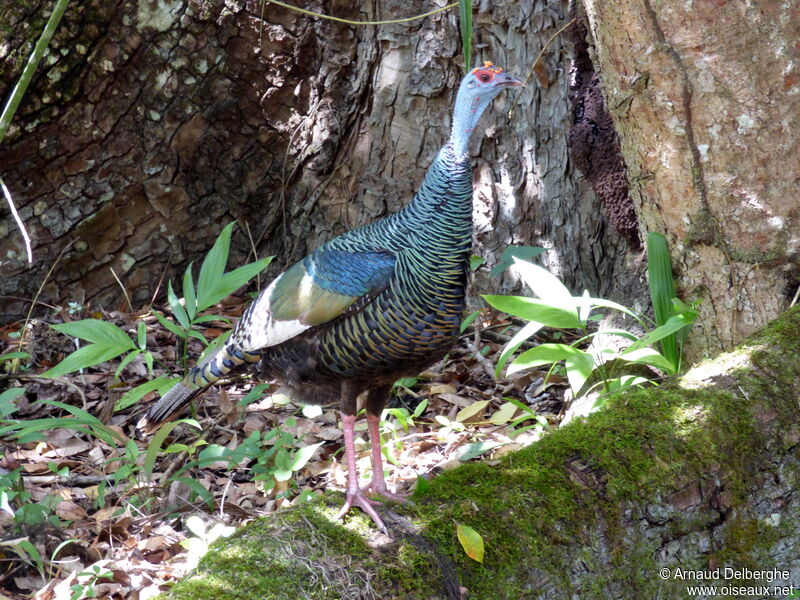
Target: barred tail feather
{"x":168,"y":406}
{"x":198,"y":379}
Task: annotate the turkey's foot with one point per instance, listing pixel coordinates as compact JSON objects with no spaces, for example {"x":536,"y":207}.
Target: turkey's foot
{"x":360,"y":500}
{"x":378,"y":487}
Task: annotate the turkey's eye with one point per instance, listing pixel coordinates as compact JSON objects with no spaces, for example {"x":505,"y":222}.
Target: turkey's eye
{"x":485,"y":77}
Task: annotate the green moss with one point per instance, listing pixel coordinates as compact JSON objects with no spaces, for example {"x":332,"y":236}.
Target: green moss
{"x":565,"y":505}
{"x":281,"y":558}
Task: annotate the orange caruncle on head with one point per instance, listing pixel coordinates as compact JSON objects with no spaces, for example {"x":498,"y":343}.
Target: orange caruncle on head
{"x":486,"y":73}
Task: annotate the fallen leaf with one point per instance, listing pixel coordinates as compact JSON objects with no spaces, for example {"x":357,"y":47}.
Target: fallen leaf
{"x":455,"y":399}
{"x":69,"y":511}
{"x":471,"y":541}
{"x":473,"y":412}
{"x":441,"y":388}
{"x":504,"y":414}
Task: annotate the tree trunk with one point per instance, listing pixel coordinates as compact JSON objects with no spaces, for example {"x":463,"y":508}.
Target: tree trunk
{"x":706,"y":99}
{"x":692,"y":483}
{"x":151,"y":125}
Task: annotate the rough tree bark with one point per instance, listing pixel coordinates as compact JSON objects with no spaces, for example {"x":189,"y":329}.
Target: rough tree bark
{"x":706,"y":99}
{"x":692,"y":483}
{"x":153,"y":123}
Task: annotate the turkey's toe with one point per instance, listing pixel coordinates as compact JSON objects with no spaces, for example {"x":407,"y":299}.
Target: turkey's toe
{"x":381,"y":490}
{"x":360,"y":500}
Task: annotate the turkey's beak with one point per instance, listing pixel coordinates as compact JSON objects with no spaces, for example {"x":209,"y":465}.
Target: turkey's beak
{"x":507,"y":80}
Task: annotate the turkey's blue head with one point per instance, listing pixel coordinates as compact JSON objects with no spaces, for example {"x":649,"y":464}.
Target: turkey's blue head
{"x":477,"y":90}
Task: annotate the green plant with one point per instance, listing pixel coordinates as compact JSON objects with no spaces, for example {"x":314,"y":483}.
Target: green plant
{"x":85,"y":582}
{"x":662,"y":295}
{"x":404,"y":420}
{"x":213,"y":285}
{"x":465,"y":21}
{"x":507,"y":413}
{"x":27,"y":552}
{"x":556,"y":307}
{"x":277,"y":455}
{"x":107,"y":341}
{"x":35,"y":57}
{"x":9,"y":397}
{"x":16,"y":501}
{"x":80,"y":421}
{"x":197,"y":546}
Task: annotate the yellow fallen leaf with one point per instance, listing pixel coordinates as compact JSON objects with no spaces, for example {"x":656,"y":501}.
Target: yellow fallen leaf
{"x":504,"y":414}
{"x":471,"y":541}
{"x":472,"y":412}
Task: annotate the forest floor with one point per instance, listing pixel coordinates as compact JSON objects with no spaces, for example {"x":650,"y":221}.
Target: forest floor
{"x":122,"y":517}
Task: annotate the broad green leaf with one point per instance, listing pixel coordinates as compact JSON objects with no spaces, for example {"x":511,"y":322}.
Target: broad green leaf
{"x":579,"y":367}
{"x":132,"y":396}
{"x":504,"y":414}
{"x":230,"y":282}
{"x":465,"y":21}
{"x":302,"y":456}
{"x":196,"y":525}
{"x":197,"y":488}
{"x":420,"y":408}
{"x":468,"y":321}
{"x":603,"y":303}
{"x":283,"y":459}
{"x":197,"y":335}
{"x":254,"y":395}
{"x":475,"y":262}
{"x":26,"y":545}
{"x":97,"y":331}
{"x":648,"y":356}
{"x":673,"y":324}
{"x":510,"y":253}
{"x":7,"y":397}
{"x":169,"y":325}
{"x":155,"y":444}
{"x":527,"y":331}
{"x":189,"y":294}
{"x":126,"y":361}
{"x":282,"y":474}
{"x":662,"y":289}
{"x":12,"y":355}
{"x":141,"y":335}
{"x":471,"y":541}
{"x":87,"y":356}
{"x":544,"y":284}
{"x":213,"y":266}
{"x":542,"y":355}
{"x":541,"y":311}
{"x":148,"y":360}
{"x":472,"y":411}
{"x":178,"y":310}
{"x":207,"y":318}
{"x":476,"y":449}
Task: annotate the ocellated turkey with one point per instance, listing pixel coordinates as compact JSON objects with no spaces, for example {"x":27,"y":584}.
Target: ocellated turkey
{"x":375,"y":304}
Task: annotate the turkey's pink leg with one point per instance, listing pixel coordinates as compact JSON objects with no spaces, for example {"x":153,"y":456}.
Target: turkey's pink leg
{"x":354,"y":496}
{"x":378,"y":484}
